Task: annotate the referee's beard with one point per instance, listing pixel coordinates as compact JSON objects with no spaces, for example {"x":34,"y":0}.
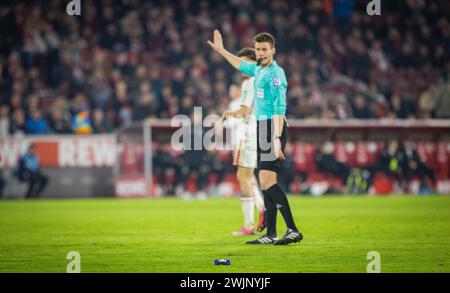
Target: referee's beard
{"x":258,"y":62}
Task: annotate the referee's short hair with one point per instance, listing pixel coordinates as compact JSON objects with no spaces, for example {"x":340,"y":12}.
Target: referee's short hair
{"x":247,"y":52}
{"x":264,"y":38}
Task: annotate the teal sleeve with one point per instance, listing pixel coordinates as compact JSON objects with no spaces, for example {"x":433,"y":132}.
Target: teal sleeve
{"x":278,"y":88}
{"x":247,"y":68}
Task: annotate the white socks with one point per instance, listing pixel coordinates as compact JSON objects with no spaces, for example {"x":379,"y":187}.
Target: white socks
{"x":248,"y":204}
{"x":259,"y":201}
{"x":247,"y":210}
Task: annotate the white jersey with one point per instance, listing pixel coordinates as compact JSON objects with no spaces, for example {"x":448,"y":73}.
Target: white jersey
{"x":248,"y":93}
{"x":237,"y":125}
{"x":247,"y":99}
{"x":245,"y":134}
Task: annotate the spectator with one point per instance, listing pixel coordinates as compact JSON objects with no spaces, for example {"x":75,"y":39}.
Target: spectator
{"x":58,"y":122}
{"x":99,"y":124}
{"x":287,"y":172}
{"x":187,"y":106}
{"x":333,"y":52}
{"x":427,"y":102}
{"x":327,"y":163}
{"x":191,"y":159}
{"x":359,"y":61}
{"x":213,"y":165}
{"x":122,"y":105}
{"x":390,"y":163}
{"x":199,"y":164}
{"x":413,"y":166}
{"x":343,"y":9}
{"x":164,"y":165}
{"x":443,"y":102}
{"x":4,"y":121}
{"x":81,"y":123}
{"x":36,"y":124}
{"x":29,"y":171}
{"x":342,"y":108}
{"x":132,"y":61}
{"x":80,"y":118}
{"x":146,"y":107}
{"x":401,"y":108}
{"x":360,"y":108}
{"x":378,"y":57}
{"x":17,"y":126}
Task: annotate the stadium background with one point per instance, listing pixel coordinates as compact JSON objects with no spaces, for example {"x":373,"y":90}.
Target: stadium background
{"x":87,"y":91}
{"x":124,"y":61}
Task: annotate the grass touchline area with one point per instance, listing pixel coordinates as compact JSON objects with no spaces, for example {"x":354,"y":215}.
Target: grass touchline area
{"x":411,"y":233}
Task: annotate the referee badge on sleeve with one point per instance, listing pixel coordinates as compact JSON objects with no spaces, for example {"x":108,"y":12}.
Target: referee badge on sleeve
{"x":276,"y":81}
{"x":260,"y":93}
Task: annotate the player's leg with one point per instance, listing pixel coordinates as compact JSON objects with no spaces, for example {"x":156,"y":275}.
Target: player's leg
{"x":259,"y":203}
{"x":249,"y":159}
{"x":247,"y":202}
{"x":259,"y":200}
{"x":254,"y":192}
{"x":246,"y":183}
{"x":270,"y":207}
{"x":245,"y":180}
{"x":271,"y":220}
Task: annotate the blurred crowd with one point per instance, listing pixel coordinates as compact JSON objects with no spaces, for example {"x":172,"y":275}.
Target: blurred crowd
{"x":122,"y":61}
{"x":397,"y":168}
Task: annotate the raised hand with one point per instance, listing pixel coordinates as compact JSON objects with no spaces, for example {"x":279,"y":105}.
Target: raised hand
{"x":217,"y":43}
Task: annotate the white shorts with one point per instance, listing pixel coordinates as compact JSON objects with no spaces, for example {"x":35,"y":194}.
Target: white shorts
{"x":245,"y":152}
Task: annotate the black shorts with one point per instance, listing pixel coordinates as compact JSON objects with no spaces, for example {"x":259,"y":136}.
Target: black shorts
{"x":266,"y":155}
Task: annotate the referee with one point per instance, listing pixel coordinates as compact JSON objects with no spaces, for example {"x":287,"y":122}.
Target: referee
{"x":270,"y":108}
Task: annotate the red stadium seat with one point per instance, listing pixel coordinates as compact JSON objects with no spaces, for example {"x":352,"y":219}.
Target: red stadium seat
{"x":336,"y":183}
{"x":231,"y":179}
{"x":442,"y":158}
{"x":191,"y":185}
{"x":212,"y":179}
{"x":303,"y":155}
{"x":170,"y":177}
{"x":427,"y":152}
{"x":316,"y":177}
{"x":224,"y":155}
{"x":365,"y":153}
{"x":345,"y":152}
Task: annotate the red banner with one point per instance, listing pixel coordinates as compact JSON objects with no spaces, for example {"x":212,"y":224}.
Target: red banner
{"x":62,"y":151}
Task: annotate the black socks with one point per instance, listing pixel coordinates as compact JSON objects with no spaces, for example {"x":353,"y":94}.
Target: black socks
{"x":275,"y":198}
{"x":271,"y":214}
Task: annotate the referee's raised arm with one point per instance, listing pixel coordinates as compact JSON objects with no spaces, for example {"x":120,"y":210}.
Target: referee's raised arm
{"x":217,"y":45}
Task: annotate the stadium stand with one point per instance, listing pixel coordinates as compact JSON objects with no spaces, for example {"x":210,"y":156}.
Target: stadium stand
{"x":124,"y":61}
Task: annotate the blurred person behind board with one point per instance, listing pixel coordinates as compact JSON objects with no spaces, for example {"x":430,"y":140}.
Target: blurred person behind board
{"x":4,"y":121}
{"x":413,"y":166}
{"x":29,"y":171}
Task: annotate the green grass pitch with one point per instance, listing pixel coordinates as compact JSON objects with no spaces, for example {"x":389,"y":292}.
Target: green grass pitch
{"x":411,"y":233}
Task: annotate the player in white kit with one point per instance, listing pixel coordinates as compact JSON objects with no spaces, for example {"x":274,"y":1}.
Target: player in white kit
{"x":245,"y":152}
